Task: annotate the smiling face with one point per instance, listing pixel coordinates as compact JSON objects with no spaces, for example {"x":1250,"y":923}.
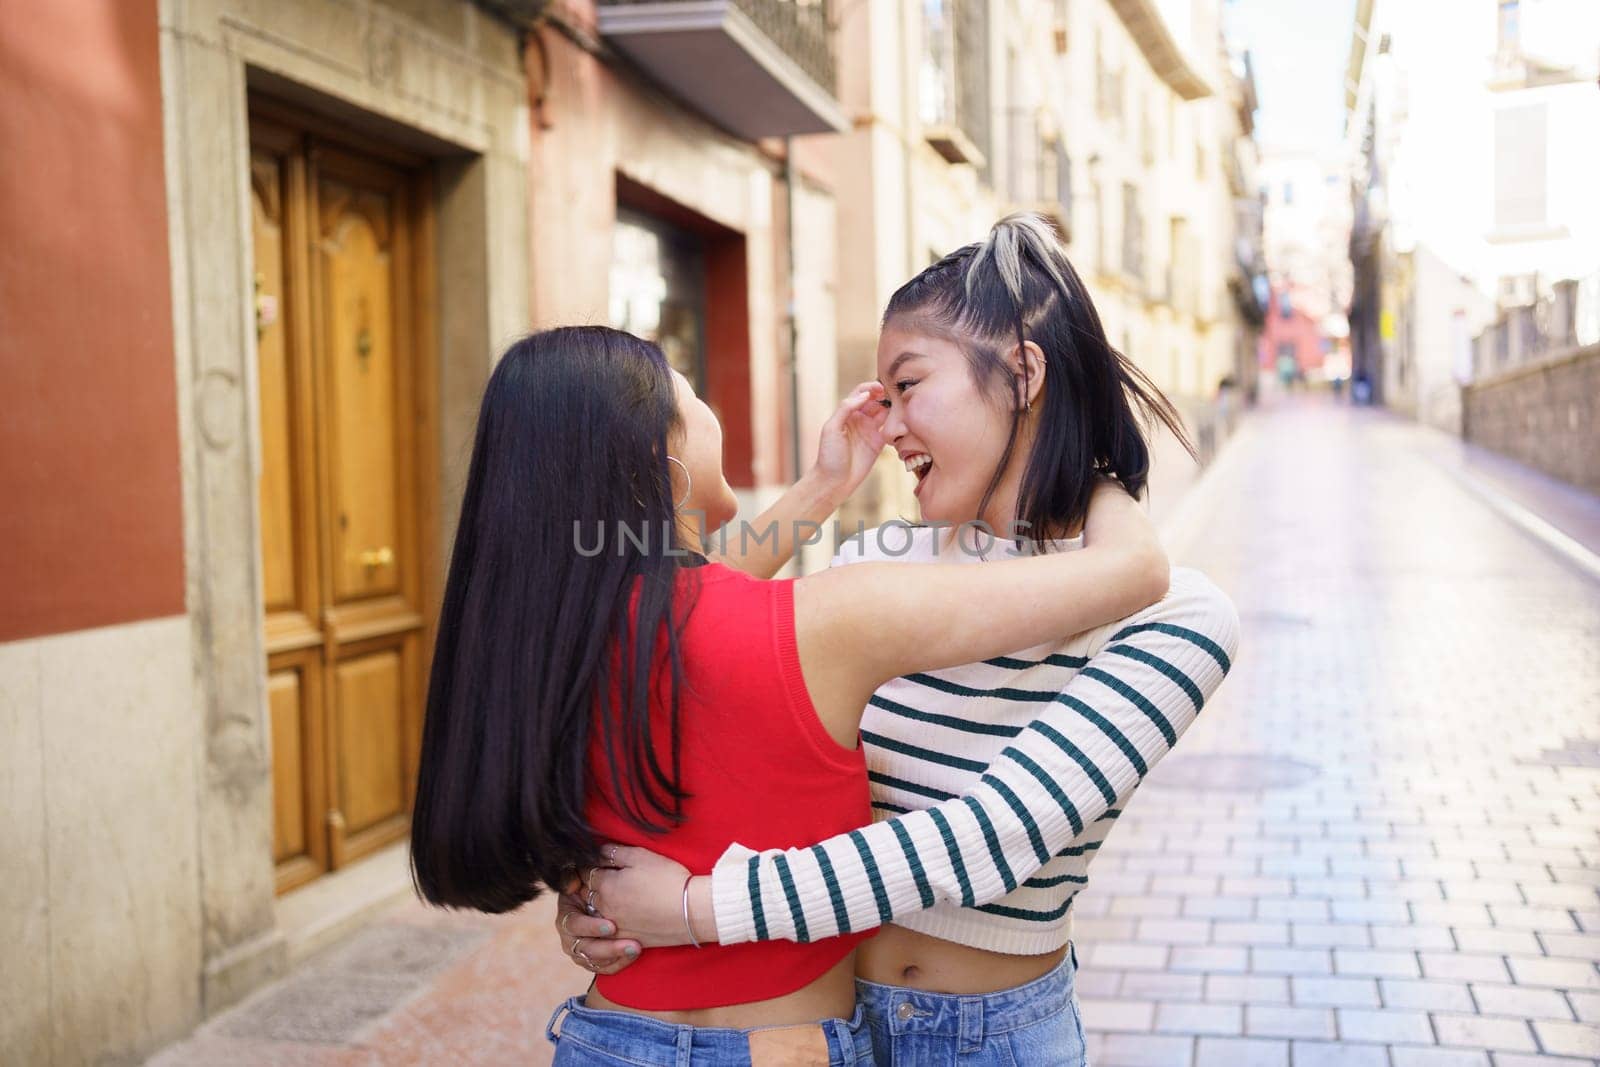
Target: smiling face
{"x":950,"y":432}
{"x":697,"y":444}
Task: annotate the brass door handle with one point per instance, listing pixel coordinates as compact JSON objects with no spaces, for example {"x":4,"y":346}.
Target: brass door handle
{"x":377,"y":557}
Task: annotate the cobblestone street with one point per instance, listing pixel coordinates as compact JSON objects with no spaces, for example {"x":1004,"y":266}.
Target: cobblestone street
{"x":1380,"y":845}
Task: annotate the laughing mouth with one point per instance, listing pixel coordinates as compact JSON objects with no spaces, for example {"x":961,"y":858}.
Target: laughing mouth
{"x":919,"y":464}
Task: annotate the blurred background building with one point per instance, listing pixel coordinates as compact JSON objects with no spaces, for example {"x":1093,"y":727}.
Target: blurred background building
{"x":1471,"y":150}
{"x":1307,"y":223}
{"x":1125,"y":122}
{"x":258,"y":262}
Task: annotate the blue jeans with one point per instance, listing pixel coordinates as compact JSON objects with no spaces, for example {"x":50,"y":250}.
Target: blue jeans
{"x":1033,"y":1024}
{"x":595,"y":1038}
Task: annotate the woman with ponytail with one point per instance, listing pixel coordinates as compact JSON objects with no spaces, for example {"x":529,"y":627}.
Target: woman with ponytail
{"x":994,"y":782}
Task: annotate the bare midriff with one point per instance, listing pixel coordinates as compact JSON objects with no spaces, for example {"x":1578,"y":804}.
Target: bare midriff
{"x":833,"y":996}
{"x":902,"y":957}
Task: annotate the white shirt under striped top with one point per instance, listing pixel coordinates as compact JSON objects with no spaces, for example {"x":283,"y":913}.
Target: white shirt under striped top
{"x":994,"y":783}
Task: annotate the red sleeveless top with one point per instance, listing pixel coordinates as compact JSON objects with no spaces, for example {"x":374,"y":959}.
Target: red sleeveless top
{"x":760,"y":770}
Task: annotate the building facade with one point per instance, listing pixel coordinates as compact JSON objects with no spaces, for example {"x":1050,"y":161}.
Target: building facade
{"x":1307,"y":226}
{"x":259,"y":262}
{"x":1470,"y":147}
{"x":271,"y":256}
{"x":1240,"y":198}
{"x":94,"y":640}
{"x":1125,"y":122}
{"x":664,"y":202}
{"x":1166,"y":226}
{"x":1295,"y":346}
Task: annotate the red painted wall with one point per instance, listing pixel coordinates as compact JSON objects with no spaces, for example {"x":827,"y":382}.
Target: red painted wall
{"x":728,"y":355}
{"x":91,"y":521}
{"x":591,"y":120}
{"x":727,"y":324}
{"x":1297,"y":329}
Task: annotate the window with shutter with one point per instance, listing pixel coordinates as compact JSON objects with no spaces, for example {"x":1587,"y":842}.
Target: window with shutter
{"x":1519,"y":166}
{"x":1132,"y":231}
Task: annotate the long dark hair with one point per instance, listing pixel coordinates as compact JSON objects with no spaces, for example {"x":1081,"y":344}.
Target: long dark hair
{"x":537,"y":643}
{"x":1016,"y":286}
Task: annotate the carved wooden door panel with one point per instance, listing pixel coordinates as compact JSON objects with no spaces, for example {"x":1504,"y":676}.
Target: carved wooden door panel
{"x":340,"y":506}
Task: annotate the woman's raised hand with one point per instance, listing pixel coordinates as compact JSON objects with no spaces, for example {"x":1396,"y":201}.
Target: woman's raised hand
{"x":851,"y":440}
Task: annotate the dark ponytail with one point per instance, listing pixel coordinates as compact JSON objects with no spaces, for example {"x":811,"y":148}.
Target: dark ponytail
{"x":1017,"y":286}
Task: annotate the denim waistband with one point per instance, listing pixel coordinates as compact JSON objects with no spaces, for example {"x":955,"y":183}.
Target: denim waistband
{"x":643,"y":1040}
{"x":969,"y":1017}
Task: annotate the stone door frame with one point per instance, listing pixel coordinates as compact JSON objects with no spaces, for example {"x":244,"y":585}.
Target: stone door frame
{"x":452,"y":88}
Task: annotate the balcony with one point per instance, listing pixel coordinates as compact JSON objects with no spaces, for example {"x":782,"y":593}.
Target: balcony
{"x":1236,"y":168}
{"x":1149,"y":31}
{"x":954,"y":80}
{"x":1543,"y":324}
{"x":953,"y":144}
{"x":1244,"y":296}
{"x":756,"y":68}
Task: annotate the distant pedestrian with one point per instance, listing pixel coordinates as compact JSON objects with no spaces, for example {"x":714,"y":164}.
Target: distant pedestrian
{"x":1288,"y":369}
{"x":1361,"y":389}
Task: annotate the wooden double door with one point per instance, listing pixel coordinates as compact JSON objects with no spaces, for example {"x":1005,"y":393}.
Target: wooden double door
{"x":341,"y":245}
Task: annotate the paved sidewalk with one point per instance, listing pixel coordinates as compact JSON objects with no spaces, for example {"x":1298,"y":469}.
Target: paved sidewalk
{"x":1380,"y":845}
{"x":421,"y":987}
{"x":1553,"y":511}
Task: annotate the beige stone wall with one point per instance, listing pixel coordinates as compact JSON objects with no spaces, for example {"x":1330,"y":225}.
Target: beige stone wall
{"x":1177,"y":328}
{"x":600,"y":120}
{"x":1547,"y":416}
{"x":901,"y":205}
{"x":444,"y":80}
{"x":816,"y":300}
{"x":99,"y":902}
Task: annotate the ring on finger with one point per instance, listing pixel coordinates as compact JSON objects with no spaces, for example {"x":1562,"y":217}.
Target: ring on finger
{"x":575,"y":951}
{"x":566,"y":916}
{"x":589,"y":904}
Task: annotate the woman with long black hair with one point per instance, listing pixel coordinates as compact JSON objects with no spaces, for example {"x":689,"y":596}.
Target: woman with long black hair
{"x":643,"y":694}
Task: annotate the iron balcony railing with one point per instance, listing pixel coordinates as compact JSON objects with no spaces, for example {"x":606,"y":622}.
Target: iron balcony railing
{"x":1530,"y":332}
{"x":799,"y":27}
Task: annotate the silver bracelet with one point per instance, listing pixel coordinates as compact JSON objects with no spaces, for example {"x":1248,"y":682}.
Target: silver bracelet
{"x":687,"y":925}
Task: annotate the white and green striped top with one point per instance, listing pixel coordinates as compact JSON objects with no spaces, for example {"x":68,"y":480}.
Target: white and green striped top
{"x":994,"y":783}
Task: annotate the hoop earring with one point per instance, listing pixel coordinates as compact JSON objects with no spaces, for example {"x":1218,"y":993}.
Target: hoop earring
{"x":688,"y":483}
